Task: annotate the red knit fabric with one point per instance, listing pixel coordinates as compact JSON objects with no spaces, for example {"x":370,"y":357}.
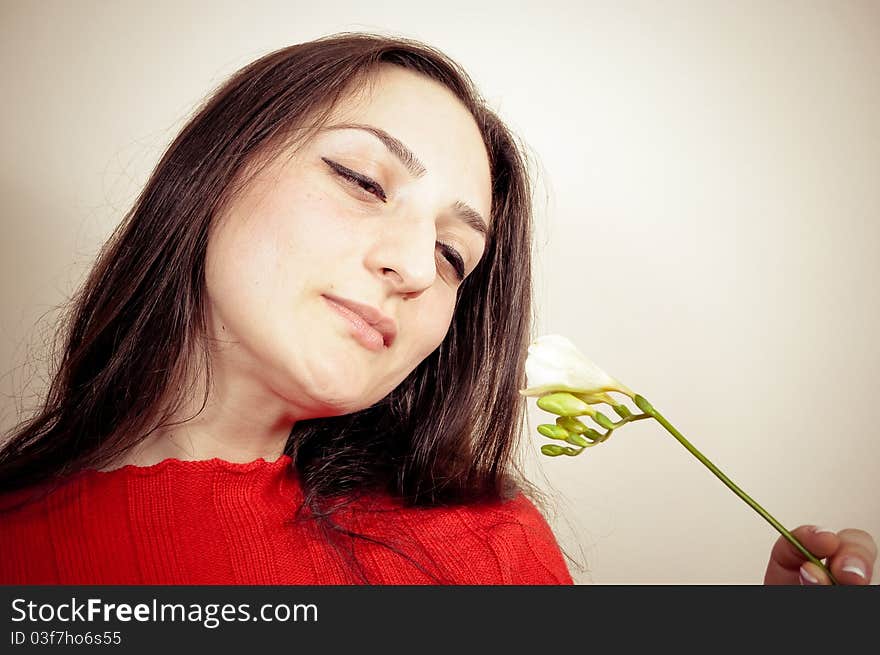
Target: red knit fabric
{"x":218,"y":522}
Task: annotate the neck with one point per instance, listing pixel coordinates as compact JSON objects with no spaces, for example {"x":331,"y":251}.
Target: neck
{"x":235,"y":425}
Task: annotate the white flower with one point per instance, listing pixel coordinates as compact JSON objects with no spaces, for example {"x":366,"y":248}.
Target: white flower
{"x":555,"y":364}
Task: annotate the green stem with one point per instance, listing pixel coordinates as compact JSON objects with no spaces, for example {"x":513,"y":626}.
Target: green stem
{"x":630,"y":419}
{"x":624,"y":421}
{"x":645,"y":406}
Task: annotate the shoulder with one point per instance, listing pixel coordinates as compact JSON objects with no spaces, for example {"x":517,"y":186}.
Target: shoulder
{"x":499,"y":543}
{"x":521,"y":540}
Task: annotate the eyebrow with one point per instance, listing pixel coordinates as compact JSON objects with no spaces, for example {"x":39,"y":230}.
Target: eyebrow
{"x":416,"y":169}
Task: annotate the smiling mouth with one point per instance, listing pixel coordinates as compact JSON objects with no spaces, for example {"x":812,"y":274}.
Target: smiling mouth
{"x":361,"y":330}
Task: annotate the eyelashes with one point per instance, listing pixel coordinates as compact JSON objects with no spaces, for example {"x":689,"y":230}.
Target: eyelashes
{"x":368,"y":185}
{"x":364,"y":182}
{"x":453,"y":258}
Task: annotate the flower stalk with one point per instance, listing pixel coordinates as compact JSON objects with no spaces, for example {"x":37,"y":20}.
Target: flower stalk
{"x":646,"y":407}
{"x":567,"y":384}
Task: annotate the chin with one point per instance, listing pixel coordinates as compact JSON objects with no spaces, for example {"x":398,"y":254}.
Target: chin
{"x":335,"y":400}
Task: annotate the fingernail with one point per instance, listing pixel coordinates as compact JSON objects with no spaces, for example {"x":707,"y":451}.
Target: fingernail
{"x":807,"y":577}
{"x":817,"y":529}
{"x":851,"y":565}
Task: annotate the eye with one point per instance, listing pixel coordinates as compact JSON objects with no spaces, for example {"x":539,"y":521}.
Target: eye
{"x":453,"y":258}
{"x":361,"y":181}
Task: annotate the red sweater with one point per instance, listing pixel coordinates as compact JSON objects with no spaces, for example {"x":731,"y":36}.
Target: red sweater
{"x":217,"y":522}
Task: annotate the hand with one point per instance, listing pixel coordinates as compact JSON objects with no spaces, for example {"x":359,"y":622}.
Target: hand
{"x":847,"y":552}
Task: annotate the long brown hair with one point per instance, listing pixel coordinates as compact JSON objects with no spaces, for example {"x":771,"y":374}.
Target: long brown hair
{"x":135,"y":331}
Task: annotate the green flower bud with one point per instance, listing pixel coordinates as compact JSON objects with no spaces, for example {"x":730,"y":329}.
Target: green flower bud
{"x":643,"y":405}
{"x":553,"y":431}
{"x":564,"y":404}
{"x":570,"y":451}
{"x":603,"y":420}
{"x":593,"y":435}
{"x":552,"y":450}
{"x":622,"y":411}
{"x":571,"y":424}
{"x":577,"y":440}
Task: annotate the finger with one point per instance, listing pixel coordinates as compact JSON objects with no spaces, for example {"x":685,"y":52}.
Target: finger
{"x":785,"y":559}
{"x":810,"y":574}
{"x":820,"y":543}
{"x":853,"y":561}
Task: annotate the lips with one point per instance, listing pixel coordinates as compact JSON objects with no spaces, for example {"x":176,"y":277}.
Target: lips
{"x":379,"y":321}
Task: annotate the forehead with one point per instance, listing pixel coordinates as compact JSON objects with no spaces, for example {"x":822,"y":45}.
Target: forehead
{"x":431,"y":122}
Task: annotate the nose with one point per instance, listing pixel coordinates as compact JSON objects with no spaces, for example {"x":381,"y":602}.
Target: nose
{"x":403,"y":253}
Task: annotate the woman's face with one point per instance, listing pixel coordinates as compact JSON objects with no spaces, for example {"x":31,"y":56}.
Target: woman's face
{"x":302,"y":231}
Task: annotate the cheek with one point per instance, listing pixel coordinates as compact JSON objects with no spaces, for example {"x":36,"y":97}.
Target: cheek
{"x":267,"y":250}
{"x":253,"y":268}
{"x":431,"y":323}
{"x":242,"y":264}
{"x":266,"y":266}
{"x":238,"y":276}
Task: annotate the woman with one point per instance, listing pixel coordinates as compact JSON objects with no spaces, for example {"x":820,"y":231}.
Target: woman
{"x":297,"y":360}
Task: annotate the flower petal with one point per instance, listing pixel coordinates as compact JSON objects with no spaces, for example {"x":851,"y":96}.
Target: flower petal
{"x":555,"y":364}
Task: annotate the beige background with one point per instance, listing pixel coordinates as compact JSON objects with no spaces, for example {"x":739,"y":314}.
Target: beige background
{"x":707,"y":228}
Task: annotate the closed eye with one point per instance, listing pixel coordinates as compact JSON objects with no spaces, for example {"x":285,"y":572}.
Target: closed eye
{"x":453,"y":258}
{"x":361,"y":180}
